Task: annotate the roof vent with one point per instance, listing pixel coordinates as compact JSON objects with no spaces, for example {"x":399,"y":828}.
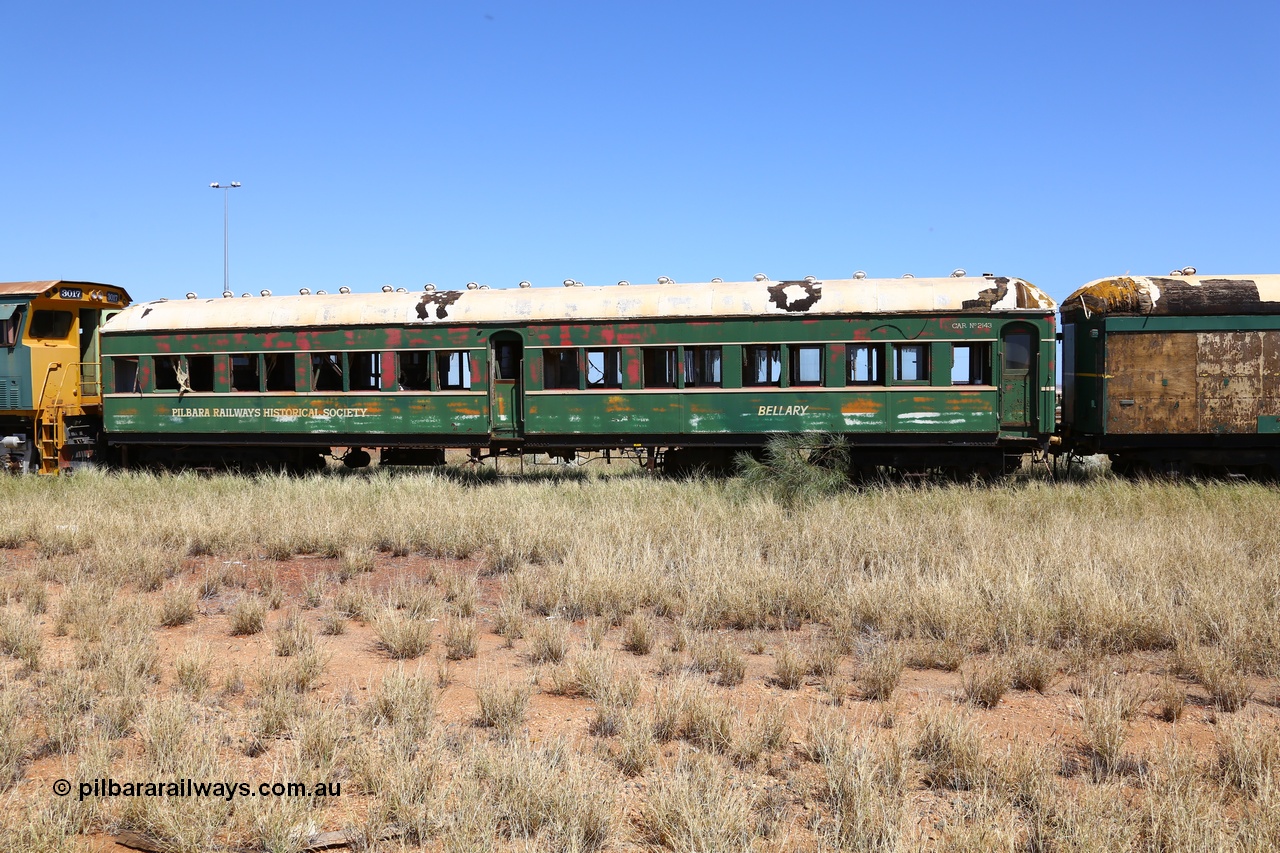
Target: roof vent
{"x":525,"y":284}
{"x":227,"y":294}
{"x":322,"y":293}
{"x":958,"y":273}
{"x":264,"y":293}
{"x":908,"y":275}
{"x":484,"y":287}
{"x":860,"y":274}
{"x":166,"y":299}
{"x":624,"y":283}
{"x":386,"y":288}
{"x":761,"y":277}
{"x":662,"y":279}
{"x":401,"y":290}
{"x":717,"y":281}
{"x":304,"y":291}
{"x":429,"y":288}
{"x":190,"y":295}
{"x":471,"y":285}
{"x":1175,"y":272}
{"x":809,"y":279}
{"x":344,"y":290}
{"x":1188,"y":270}
{"x":245,"y":295}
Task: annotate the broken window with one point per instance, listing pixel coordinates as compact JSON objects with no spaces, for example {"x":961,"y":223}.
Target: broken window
{"x":244,"y":373}
{"x":560,"y":369}
{"x":909,"y":363}
{"x":604,"y":368}
{"x":971,"y":364}
{"x":281,"y":375}
{"x":200,"y":373}
{"x":126,"y":371}
{"x":326,"y":371}
{"x":762,"y":365}
{"x":507,"y":354}
{"x":806,"y":365}
{"x":365,"y":370}
{"x":415,"y":370}
{"x":51,"y":324}
{"x":702,"y":367}
{"x":866,"y":364}
{"x":455,"y":370}
{"x":661,"y":367}
{"x":164,"y":372}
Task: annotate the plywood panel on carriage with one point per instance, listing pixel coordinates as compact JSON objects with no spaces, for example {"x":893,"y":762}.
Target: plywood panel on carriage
{"x":1151,"y":383}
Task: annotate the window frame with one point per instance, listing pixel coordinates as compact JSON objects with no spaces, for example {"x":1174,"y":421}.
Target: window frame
{"x":922,"y":364}
{"x":875,"y":365}
{"x":606,"y":353}
{"x":253,"y":358}
{"x":696,"y":366}
{"x":555,"y":377}
{"x":426,"y":370}
{"x":671,"y":366}
{"x":773,"y":356}
{"x":979,"y":357}
{"x":445,"y":356}
{"x":794,"y":365}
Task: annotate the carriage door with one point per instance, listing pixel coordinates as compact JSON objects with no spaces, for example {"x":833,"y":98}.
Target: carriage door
{"x":1017,"y":376}
{"x":506,"y":400}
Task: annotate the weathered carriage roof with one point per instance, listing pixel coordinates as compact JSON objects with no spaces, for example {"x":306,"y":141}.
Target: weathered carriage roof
{"x":37,"y":288}
{"x":1186,"y":295}
{"x":636,"y":303}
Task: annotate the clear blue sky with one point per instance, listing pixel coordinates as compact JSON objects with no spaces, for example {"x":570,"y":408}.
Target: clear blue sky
{"x":401,"y":143}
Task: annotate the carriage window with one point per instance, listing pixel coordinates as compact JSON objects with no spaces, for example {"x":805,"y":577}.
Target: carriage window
{"x":604,"y":368}
{"x":661,"y":367}
{"x":909,"y":363}
{"x":164,"y":372}
{"x":415,"y":370}
{"x":971,"y":364}
{"x":866,"y":364}
{"x":702,"y":367}
{"x":10,"y":324}
{"x":366,"y":371}
{"x":806,"y":365}
{"x":1017,"y":351}
{"x":761,"y":365}
{"x":126,"y":370}
{"x":200,"y":373}
{"x":508,"y":355}
{"x":560,"y":369}
{"x":51,"y":324}
{"x":281,"y":375}
{"x":244,"y":373}
{"x":326,"y":371}
{"x":455,"y":370}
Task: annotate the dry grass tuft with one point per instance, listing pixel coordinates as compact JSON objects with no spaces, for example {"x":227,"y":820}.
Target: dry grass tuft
{"x":191,"y":669}
{"x":1032,"y":667}
{"x":1248,"y":757}
{"x":880,"y":671}
{"x":640,"y":634}
{"x":951,"y":749}
{"x":788,"y":668}
{"x":248,"y":616}
{"x":460,"y":638}
{"x":177,"y":606}
{"x":1171,"y":700}
{"x":984,"y":684}
{"x":697,"y":807}
{"x":549,"y":642}
{"x":20,"y":638}
{"x":501,"y":705}
{"x":400,"y":636}
{"x":1222,"y":677}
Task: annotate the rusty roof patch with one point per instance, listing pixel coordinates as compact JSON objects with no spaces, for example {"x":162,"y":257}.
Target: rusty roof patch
{"x":1175,"y":296}
{"x":812,"y":291}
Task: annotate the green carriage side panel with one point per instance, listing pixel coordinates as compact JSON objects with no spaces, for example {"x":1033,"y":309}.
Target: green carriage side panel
{"x":15,"y":363}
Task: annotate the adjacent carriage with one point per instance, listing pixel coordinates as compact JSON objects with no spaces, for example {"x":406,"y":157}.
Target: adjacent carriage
{"x":954,"y":373}
{"x":1175,"y":374}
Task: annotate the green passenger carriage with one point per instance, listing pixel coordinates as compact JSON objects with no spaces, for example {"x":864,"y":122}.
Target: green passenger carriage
{"x":954,"y":373}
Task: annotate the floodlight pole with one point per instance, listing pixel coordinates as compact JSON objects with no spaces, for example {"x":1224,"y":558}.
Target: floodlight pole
{"x":226,"y":231}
